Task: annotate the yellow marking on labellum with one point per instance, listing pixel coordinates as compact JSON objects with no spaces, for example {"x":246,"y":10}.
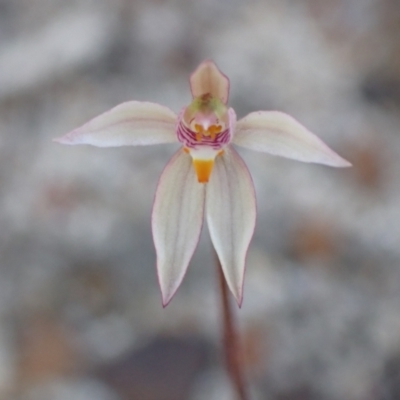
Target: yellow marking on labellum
{"x":211,"y":132}
{"x":214,"y":130}
{"x":203,"y":169}
{"x":199,"y":128}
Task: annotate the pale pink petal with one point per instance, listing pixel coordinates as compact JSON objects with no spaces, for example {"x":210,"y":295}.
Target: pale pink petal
{"x":128,"y":124}
{"x":231,"y":216}
{"x":176,"y":221}
{"x":277,"y":133}
{"x":207,"y":78}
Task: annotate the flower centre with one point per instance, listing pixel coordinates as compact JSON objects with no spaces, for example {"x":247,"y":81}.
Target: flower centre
{"x":204,"y":130}
{"x":205,"y":122}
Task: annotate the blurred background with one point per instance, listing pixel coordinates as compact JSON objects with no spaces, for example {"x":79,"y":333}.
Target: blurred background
{"x":80,"y":308}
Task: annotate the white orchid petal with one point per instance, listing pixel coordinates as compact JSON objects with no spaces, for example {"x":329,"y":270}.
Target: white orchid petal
{"x":128,"y":124}
{"x":231,"y":216}
{"x":177,"y":220}
{"x":277,"y":133}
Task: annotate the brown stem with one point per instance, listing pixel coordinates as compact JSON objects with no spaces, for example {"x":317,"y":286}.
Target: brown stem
{"x":233,"y":355}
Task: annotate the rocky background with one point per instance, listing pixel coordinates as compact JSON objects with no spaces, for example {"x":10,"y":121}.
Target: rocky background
{"x":80,"y":309}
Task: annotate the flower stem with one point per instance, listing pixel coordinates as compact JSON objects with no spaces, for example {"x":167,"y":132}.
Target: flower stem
{"x":231,"y":342}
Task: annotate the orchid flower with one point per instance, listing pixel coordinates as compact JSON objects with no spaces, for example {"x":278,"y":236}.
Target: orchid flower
{"x":206,"y":175}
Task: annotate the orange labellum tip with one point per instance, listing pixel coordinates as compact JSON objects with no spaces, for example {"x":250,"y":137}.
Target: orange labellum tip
{"x":203,"y":169}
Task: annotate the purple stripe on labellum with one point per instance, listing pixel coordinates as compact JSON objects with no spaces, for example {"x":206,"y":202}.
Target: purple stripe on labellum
{"x":189,"y":138}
